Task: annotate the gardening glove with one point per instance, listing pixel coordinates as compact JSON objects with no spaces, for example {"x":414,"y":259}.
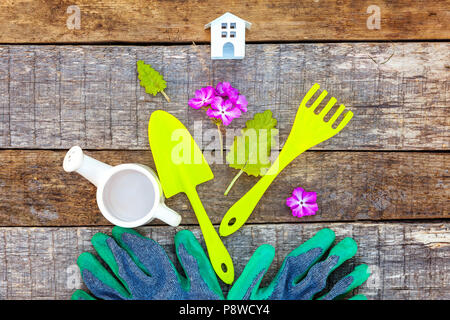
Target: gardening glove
{"x":301,"y":276}
{"x":141,"y":269}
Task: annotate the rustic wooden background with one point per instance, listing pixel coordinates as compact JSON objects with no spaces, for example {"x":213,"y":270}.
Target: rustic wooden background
{"x":384,"y":180}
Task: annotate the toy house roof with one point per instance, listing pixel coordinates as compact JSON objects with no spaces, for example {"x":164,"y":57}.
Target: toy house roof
{"x":226,"y":15}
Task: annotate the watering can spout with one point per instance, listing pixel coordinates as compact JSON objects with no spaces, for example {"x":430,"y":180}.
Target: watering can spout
{"x":91,"y":169}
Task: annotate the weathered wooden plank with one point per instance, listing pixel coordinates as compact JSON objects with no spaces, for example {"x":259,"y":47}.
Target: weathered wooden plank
{"x":55,"y":97}
{"x":35,"y":191}
{"x":183,"y":21}
{"x":408,"y":261}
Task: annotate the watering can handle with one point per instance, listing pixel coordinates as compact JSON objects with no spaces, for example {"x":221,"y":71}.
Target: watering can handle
{"x":169,"y":216}
{"x":218,"y":254}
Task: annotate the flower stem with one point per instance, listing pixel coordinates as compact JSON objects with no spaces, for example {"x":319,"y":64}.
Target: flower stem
{"x":220,"y":140}
{"x":233,"y":181}
{"x":165,"y":95}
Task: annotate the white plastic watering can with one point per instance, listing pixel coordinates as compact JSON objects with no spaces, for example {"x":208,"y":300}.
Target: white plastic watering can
{"x":128,"y":195}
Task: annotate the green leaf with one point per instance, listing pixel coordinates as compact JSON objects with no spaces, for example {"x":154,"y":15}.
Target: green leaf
{"x":151,"y":80}
{"x":250,"y":152}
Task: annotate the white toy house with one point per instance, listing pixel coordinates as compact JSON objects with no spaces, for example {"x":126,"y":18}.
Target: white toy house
{"x":228,"y":37}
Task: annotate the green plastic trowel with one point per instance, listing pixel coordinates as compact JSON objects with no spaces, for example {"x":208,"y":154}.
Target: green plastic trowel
{"x":181,"y":167}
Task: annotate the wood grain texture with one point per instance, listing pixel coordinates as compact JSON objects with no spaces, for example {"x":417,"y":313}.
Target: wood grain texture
{"x":408,"y":261}
{"x":351,"y":186}
{"x":55,"y":97}
{"x":183,"y":21}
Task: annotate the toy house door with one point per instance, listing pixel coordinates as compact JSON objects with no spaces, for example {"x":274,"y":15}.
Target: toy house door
{"x":228,"y":50}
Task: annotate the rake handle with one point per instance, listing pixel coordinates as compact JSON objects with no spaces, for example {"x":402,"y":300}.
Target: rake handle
{"x":243,"y":208}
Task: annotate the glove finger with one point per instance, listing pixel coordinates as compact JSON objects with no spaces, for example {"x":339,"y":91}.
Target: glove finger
{"x":357,"y":277}
{"x":121,"y":264}
{"x":297,"y":264}
{"x":319,"y":243}
{"x":358,"y":297}
{"x":344,"y":251}
{"x":247,"y":285}
{"x":195,"y":264}
{"x":146,"y":253}
{"x":99,"y":280}
{"x":81,"y":295}
{"x":294,"y":267}
{"x":316,"y":279}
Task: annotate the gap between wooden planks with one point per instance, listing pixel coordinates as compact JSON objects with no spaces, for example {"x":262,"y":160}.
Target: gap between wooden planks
{"x":351,"y":186}
{"x":183,"y":21}
{"x":54,"y":97}
{"x":407,"y":261}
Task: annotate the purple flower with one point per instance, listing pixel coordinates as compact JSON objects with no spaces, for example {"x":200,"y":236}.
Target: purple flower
{"x":223,"y":102}
{"x":241,"y":103}
{"x":233,"y":94}
{"x":222,"y":88}
{"x":223,"y":110}
{"x":302,"y":203}
{"x":203,"y":97}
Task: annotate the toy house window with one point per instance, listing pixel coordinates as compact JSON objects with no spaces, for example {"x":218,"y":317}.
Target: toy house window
{"x":224,"y":25}
{"x":232,"y":34}
{"x":224,"y":34}
{"x":233,"y":25}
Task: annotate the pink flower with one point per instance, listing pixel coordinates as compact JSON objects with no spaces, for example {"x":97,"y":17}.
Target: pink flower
{"x":222,"y":88}
{"x":223,"y":102}
{"x":203,"y":97}
{"x":233,"y":95}
{"x":223,"y":110}
{"x":302,"y":203}
{"x":241,"y":103}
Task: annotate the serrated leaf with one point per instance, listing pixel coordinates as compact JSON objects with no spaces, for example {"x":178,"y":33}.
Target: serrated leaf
{"x":151,"y":80}
{"x":250,"y":152}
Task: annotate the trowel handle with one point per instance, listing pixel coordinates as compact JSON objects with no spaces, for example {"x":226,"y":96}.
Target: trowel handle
{"x":238,"y":214}
{"x":218,"y":254}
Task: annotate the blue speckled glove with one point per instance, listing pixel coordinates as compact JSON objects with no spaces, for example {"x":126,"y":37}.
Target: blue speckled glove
{"x":301,"y":276}
{"x":144,"y":271}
